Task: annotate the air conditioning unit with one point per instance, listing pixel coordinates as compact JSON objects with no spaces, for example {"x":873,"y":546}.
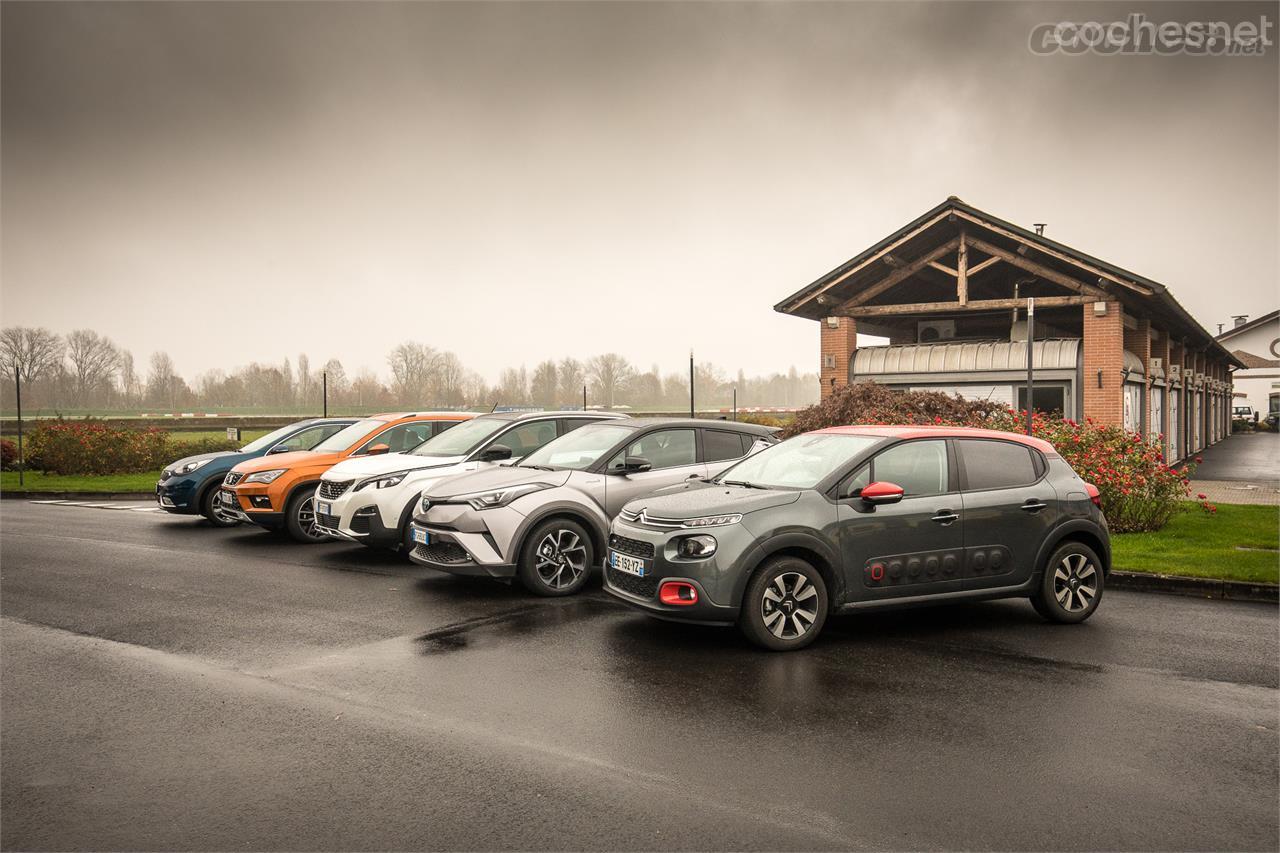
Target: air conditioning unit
{"x":929,"y":331}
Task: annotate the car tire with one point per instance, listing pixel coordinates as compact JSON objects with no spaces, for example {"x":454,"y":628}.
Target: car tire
{"x":765,"y":618}
{"x":1071,"y":586}
{"x":209,"y":502}
{"x":300,"y":517}
{"x":556,"y":558}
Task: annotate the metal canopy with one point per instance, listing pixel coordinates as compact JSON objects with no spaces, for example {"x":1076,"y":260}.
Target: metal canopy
{"x":965,"y":357}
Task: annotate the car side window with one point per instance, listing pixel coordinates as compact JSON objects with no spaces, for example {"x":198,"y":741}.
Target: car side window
{"x":527,"y":438}
{"x":310,"y":437}
{"x":438,"y":427}
{"x":667,"y":448}
{"x":996,"y":464}
{"x":919,"y":467}
{"x":399,"y":438}
{"x":719,"y":445}
{"x":855,"y":483}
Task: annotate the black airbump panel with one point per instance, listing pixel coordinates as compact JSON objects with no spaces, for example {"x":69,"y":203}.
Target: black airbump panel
{"x":893,"y":570}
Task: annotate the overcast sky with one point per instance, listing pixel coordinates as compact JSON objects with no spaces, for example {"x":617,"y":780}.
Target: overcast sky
{"x":246,"y":181}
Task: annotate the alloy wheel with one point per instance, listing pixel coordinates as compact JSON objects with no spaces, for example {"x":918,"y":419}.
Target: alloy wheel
{"x":789,"y":605}
{"x":1075,"y":583}
{"x":561,"y":559}
{"x":307,"y":518}
{"x":220,"y":514}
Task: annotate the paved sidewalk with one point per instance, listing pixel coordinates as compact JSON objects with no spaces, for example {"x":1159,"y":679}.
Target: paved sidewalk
{"x":1242,"y":469}
{"x":1236,"y":492}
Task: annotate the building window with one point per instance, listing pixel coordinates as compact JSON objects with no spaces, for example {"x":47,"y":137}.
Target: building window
{"x":1157,"y":413}
{"x":1049,"y":399}
{"x":1132,"y":407}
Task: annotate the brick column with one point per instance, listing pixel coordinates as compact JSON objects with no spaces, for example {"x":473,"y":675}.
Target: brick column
{"x":1160,"y":349}
{"x":1138,"y":342}
{"x":839,"y":341}
{"x":1103,"y":351}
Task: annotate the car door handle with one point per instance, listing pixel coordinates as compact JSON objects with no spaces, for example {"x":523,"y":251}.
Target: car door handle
{"x":945,"y":517}
{"x":1033,"y":505}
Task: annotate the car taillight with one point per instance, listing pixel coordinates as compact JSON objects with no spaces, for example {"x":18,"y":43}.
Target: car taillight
{"x":678,"y":592}
{"x":1094,"y":494}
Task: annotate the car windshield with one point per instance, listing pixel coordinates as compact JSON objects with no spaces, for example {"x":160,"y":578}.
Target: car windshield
{"x":269,"y":439}
{"x":579,"y":449}
{"x":798,"y":463}
{"x":462,"y":439}
{"x":344,"y":438}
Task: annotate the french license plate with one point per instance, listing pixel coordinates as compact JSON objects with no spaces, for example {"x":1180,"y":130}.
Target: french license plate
{"x":419,"y":536}
{"x":324,"y":508}
{"x":229,"y":498}
{"x":624,"y":563}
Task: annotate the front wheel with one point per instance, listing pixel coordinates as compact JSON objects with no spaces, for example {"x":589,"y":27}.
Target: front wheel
{"x":300,"y":517}
{"x":1072,"y":584}
{"x":211,"y":508}
{"x":556,"y":558}
{"x":784,"y":606}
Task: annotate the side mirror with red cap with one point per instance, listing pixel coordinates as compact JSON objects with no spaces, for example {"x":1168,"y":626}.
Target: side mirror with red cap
{"x":879,"y":493}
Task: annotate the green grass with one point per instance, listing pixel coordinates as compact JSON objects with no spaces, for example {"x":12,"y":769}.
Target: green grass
{"x":1237,"y":543}
{"x":37,"y":481}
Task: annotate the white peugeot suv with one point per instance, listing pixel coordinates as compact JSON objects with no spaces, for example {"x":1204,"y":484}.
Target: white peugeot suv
{"x":371,"y":499}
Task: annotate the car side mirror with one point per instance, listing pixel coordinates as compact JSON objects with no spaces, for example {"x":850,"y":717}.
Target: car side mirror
{"x":279,"y":448}
{"x":378,"y":449}
{"x":495,"y":453}
{"x":633,"y":465}
{"x":878,"y":493}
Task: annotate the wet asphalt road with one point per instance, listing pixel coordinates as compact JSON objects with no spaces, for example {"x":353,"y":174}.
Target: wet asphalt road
{"x":165,"y":685}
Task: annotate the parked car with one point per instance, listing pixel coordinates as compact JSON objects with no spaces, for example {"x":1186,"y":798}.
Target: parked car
{"x":863,"y":518}
{"x":545,"y":520}
{"x":371,"y":499}
{"x":278,"y":491}
{"x":190,"y":485}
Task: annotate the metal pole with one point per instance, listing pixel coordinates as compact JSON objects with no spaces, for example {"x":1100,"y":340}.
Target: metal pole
{"x":735,"y":403}
{"x":17,"y":389}
{"x":584,"y":398}
{"x":324,"y":391}
{"x":1031,"y":340}
{"x":691,"y":383}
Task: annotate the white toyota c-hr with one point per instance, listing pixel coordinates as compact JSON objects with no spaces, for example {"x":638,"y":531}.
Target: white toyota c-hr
{"x":371,"y":499}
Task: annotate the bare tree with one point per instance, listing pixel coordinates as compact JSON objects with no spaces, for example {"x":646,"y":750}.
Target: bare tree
{"x":130,"y":385}
{"x":513,"y":387}
{"x":34,"y":353}
{"x":94,"y":363}
{"x":306,"y":382}
{"x":412,"y":367}
{"x":571,"y":379}
{"x":336,"y":377}
{"x":164,"y":385}
{"x":450,"y":380}
{"x":608,"y":374}
{"x":543,"y":387}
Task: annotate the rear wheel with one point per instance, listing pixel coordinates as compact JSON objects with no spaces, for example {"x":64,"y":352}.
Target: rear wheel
{"x":784,"y":606}
{"x":211,"y":508}
{"x":1072,"y":584}
{"x":300,"y":517}
{"x":556,"y":558}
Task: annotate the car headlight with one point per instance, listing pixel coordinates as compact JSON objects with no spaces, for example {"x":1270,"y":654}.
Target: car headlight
{"x":187,"y":468}
{"x":265,"y":476}
{"x":497,"y":497}
{"x":696,"y":547}
{"x":383,"y":481}
{"x":712,"y":520}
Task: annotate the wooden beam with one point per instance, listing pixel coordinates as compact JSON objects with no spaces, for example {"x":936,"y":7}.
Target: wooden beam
{"x":956,"y":308}
{"x":901,"y":274}
{"x":982,"y":265}
{"x":962,"y":270}
{"x":944,"y":268}
{"x":1038,"y":269}
{"x":1054,"y":253}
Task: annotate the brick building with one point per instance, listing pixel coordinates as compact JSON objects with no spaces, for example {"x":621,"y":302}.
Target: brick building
{"x":949,"y":291}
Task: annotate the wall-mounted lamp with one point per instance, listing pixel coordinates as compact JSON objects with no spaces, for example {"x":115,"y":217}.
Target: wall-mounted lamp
{"x":1099,"y":378}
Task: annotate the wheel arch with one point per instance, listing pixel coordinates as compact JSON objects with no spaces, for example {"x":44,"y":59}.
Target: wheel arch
{"x":803,"y":547}
{"x":1085,"y":532}
{"x":597,"y":533}
{"x":295,"y":488}
{"x":210,"y":484}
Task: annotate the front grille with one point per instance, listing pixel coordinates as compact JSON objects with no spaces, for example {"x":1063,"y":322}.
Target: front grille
{"x":329,"y":521}
{"x":640,"y":587}
{"x":360,"y":524}
{"x":442,"y":552}
{"x":232,"y":478}
{"x":331,"y":490}
{"x":631,"y":547}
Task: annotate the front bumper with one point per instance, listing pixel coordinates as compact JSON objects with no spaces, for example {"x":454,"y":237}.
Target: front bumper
{"x":178,"y":495}
{"x":466,"y":541}
{"x":238,"y":503}
{"x":354,"y":517}
{"x":719,"y":579}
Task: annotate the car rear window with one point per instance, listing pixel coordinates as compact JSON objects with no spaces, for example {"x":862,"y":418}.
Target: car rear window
{"x":719,"y":445}
{"x":997,"y":464}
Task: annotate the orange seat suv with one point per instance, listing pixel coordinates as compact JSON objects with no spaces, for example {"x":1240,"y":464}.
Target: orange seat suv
{"x":277,"y":491}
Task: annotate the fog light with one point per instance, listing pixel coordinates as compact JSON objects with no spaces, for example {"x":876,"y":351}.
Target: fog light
{"x":678,"y":593}
{"x":261,"y":501}
{"x":368,"y":510}
{"x":696,"y":547}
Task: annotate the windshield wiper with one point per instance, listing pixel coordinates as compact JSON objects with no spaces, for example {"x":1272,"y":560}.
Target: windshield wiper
{"x":742,"y":483}
{"x":538,"y":467}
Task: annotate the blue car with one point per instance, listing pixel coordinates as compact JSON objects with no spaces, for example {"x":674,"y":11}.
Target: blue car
{"x":190,"y":485}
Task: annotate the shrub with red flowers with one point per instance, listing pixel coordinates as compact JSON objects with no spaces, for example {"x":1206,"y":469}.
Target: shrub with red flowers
{"x":1139,"y":490}
{"x":8,"y":455}
{"x":89,"y":447}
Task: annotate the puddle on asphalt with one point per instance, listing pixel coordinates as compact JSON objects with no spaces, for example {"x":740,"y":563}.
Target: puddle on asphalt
{"x":512,"y":623}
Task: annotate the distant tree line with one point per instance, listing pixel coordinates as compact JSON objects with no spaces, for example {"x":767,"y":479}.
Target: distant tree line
{"x":86,"y":370}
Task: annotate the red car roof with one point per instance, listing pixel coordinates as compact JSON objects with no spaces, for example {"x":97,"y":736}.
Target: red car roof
{"x":937,"y":432}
